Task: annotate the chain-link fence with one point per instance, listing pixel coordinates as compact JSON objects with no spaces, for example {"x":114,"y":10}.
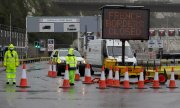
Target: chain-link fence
{"x":13,"y":35}
{"x":16,"y":36}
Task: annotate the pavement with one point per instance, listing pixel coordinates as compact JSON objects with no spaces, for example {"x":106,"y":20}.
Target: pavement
{"x":44,"y":92}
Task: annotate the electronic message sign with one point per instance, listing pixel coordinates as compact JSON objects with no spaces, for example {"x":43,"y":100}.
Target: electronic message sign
{"x":125,"y":23}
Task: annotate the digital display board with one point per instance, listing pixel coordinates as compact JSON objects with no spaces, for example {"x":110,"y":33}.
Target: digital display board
{"x":125,"y":23}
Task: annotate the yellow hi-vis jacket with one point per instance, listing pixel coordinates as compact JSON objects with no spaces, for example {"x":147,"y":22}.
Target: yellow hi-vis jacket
{"x":11,"y":60}
{"x":71,"y":59}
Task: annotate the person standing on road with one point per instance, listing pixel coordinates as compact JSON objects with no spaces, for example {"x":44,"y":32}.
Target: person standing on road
{"x":11,"y":61}
{"x":55,"y":58}
{"x":72,"y":63}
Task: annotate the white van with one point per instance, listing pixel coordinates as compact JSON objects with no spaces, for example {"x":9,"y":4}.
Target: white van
{"x":99,"y":51}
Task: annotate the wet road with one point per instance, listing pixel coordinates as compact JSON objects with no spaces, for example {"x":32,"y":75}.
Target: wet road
{"x":45,"y":93}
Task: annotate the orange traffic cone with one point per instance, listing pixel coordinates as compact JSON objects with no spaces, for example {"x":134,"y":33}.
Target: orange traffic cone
{"x":23,"y":81}
{"x":126,"y":80}
{"x":109,"y":81}
{"x":54,"y":73}
{"x":87,"y":78}
{"x":172,"y":83}
{"x":102,"y":82}
{"x":66,"y":83}
{"x":50,"y":69}
{"x":141,"y":80}
{"x":116,"y":82}
{"x":77,"y":75}
{"x":156,"y":80}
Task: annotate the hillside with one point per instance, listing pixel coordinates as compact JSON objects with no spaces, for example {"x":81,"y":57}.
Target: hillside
{"x":19,"y":9}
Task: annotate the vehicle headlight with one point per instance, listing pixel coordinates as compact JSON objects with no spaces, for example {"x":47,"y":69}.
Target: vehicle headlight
{"x":63,"y":61}
{"x":84,"y":61}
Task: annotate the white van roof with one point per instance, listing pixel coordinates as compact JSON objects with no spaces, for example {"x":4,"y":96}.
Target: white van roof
{"x":115,"y":42}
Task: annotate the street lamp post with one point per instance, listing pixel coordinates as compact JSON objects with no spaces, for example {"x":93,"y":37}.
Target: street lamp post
{"x":26,"y":39}
{"x":10,"y":27}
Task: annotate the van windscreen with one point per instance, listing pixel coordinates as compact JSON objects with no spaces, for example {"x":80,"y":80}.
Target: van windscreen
{"x":65,"y":53}
{"x":117,"y":51}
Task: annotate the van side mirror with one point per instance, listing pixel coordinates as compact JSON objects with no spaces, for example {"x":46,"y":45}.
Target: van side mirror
{"x":54,"y":55}
{"x":134,"y":54}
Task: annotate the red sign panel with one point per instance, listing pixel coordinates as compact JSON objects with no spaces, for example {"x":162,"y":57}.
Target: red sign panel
{"x":161,"y":32}
{"x":152,"y":32}
{"x":125,"y":23}
{"x":171,"y":32}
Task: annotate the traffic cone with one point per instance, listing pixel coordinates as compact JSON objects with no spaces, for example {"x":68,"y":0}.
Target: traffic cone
{"x":141,"y":80}
{"x":87,"y":78}
{"x":54,"y":73}
{"x":102,"y":82}
{"x":172,"y":83}
{"x":116,"y":82}
{"x":156,"y":80}
{"x":109,"y":81}
{"x":50,"y":69}
{"x":126,"y":80}
{"x":77,"y":75}
{"x":23,"y":81}
{"x":66,"y":83}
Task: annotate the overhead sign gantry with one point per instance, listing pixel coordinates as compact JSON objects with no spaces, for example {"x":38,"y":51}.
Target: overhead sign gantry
{"x":63,"y":24}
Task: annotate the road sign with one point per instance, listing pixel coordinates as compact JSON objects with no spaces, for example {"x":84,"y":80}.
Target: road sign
{"x":125,"y":23}
{"x":159,"y":44}
{"x":50,"y":44}
{"x":151,"y":44}
{"x":90,"y":38}
{"x":50,"y":47}
{"x":63,"y":23}
{"x":71,"y":27}
{"x":55,"y":19}
{"x":50,"y":41}
{"x":46,"y":27}
{"x":155,"y":44}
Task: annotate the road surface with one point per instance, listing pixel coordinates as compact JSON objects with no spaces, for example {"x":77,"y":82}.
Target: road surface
{"x":45,"y":93}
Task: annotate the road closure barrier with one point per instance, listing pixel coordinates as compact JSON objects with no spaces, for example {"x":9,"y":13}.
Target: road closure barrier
{"x":24,"y":81}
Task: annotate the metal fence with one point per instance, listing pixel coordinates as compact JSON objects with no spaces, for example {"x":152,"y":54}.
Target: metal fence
{"x":13,"y":35}
{"x":16,"y":36}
